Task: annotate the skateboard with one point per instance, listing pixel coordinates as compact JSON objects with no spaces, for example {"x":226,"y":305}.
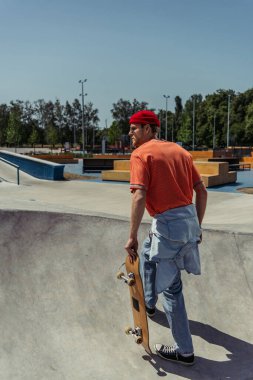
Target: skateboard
{"x":133,"y":279}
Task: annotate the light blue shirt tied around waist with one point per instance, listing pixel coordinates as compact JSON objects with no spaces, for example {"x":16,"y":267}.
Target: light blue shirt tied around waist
{"x":173,"y":244}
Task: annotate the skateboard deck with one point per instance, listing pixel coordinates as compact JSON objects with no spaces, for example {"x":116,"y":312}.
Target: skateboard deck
{"x":140,"y":329}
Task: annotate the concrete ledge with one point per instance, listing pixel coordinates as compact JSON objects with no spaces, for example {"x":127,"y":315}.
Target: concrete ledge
{"x":215,"y":173}
{"x":121,"y":165}
{"x":106,"y":163}
{"x":120,"y":173}
{"x":37,"y":168}
{"x":116,"y":175}
{"x":57,"y":158}
{"x":216,"y":180}
{"x":201,"y":155}
{"x":214,"y":168}
{"x":212,"y":173}
{"x":247,"y":160}
{"x":112,"y":156}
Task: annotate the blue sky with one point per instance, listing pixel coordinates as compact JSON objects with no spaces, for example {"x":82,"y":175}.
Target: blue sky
{"x":126,"y":49}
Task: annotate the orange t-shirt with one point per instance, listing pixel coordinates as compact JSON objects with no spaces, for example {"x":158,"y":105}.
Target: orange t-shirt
{"x":167,"y":173}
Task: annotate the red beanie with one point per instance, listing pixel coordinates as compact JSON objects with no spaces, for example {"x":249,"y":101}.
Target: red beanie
{"x":144,"y":117}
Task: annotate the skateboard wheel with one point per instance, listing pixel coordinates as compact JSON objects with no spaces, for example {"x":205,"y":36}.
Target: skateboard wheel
{"x":131,"y":281}
{"x":128,"y":330}
{"x":138,"y":340}
{"x":119,"y":275}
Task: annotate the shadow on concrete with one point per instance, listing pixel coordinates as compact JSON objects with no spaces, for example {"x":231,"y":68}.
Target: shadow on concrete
{"x":237,"y":366}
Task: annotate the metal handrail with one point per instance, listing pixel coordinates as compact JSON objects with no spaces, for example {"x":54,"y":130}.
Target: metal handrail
{"x":14,"y":165}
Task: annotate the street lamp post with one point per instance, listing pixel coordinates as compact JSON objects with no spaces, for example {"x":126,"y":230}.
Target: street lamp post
{"x":193,"y":122}
{"x":229,"y":96}
{"x":166,"y":117}
{"x":93,"y":136}
{"x":82,"y":82}
{"x":85,"y":128}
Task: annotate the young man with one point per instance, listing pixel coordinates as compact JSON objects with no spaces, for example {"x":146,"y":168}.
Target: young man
{"x":162,"y":179}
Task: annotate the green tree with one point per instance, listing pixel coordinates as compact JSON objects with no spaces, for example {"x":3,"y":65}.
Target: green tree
{"x":4,"y":116}
{"x":13,"y":133}
{"x":178,"y":117}
{"x":20,"y":119}
{"x":219,"y":101}
{"x":123,"y":110}
{"x":75,"y":118}
{"x":52,"y":135}
{"x":203,"y":126}
{"x":216,"y":106}
{"x":114,"y":133}
{"x":185,"y":133}
{"x":40,"y":112}
{"x":249,"y":124}
{"x":91,"y":120}
{"x":59,"y":120}
{"x":69,"y":124}
{"x":170,"y":124}
{"x":34,"y":138}
{"x":40,"y":116}
{"x":28,"y":120}
{"x":239,"y":107}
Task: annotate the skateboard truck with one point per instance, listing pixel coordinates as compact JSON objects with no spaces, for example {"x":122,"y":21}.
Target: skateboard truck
{"x":129,"y":279}
{"x":136,"y":333}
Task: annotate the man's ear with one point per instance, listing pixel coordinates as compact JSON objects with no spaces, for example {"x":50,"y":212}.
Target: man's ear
{"x":147,"y":128}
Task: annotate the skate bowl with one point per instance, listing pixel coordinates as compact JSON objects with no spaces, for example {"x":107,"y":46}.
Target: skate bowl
{"x":63,"y":311}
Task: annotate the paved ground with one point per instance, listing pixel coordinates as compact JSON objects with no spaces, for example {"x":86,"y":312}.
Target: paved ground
{"x":226,"y":211}
{"x":244,"y":179}
{"x":63,"y":312}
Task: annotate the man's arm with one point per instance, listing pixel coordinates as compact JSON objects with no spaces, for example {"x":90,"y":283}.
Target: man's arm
{"x":137,"y":211}
{"x":201,"y":200}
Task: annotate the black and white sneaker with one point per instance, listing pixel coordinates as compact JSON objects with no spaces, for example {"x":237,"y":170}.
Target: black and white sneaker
{"x":171,"y":353}
{"x":150,"y":311}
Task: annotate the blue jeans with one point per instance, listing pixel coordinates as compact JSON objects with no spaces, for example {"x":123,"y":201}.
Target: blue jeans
{"x":173,"y":304}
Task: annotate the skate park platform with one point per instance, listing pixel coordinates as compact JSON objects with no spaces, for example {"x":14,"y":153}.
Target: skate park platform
{"x":63,"y":312}
{"x":212,"y":173}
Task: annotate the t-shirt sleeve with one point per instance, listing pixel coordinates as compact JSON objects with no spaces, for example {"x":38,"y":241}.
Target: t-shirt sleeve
{"x":196,"y":178}
{"x":139,"y":176}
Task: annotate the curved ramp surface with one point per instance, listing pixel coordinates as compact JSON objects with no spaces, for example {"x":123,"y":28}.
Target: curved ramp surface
{"x":63,"y":312}
{"x":9,"y":174}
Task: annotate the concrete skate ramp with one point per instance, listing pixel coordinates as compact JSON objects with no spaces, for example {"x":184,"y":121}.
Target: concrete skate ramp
{"x":63,"y":312}
{"x":9,"y":174}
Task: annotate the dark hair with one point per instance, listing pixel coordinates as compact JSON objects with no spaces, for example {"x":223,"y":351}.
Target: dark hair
{"x":152,"y":126}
